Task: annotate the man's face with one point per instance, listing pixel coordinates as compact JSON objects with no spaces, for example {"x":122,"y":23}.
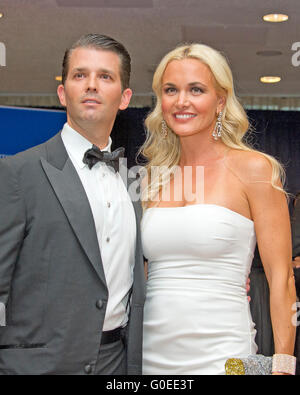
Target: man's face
{"x":92,"y":92}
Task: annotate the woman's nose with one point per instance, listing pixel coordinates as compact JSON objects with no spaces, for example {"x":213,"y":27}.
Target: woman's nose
{"x":182,"y":100}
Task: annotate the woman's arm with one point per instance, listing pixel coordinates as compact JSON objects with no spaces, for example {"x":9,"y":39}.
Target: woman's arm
{"x":273,"y":232}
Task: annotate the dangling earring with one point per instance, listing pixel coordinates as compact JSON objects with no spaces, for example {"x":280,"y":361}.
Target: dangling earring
{"x":217,"y":133}
{"x":164,"y":129}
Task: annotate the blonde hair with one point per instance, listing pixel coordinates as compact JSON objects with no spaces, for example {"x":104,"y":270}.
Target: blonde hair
{"x":165,"y":152}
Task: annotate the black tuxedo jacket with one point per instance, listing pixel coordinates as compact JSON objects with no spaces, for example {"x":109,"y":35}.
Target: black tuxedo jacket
{"x":53,"y":293}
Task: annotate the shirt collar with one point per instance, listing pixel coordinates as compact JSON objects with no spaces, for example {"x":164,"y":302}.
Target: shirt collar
{"x":76,"y":145}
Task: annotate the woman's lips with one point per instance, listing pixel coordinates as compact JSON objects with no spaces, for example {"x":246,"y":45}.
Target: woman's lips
{"x":184,"y":116}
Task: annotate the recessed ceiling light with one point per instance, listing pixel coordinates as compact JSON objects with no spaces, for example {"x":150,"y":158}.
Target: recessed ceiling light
{"x":1,"y":15}
{"x":270,"y":79}
{"x":275,"y":18}
{"x":58,"y":78}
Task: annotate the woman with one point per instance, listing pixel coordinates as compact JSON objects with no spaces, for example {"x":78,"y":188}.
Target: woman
{"x":296,"y":266}
{"x":208,"y":197}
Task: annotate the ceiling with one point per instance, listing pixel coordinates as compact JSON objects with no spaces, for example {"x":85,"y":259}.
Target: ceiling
{"x":37,"y":32}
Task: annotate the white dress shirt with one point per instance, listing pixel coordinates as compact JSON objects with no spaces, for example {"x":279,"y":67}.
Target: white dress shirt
{"x":115,"y":224}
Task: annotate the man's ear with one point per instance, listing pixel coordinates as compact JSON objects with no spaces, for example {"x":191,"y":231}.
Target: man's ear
{"x":125,"y":100}
{"x":61,"y":94}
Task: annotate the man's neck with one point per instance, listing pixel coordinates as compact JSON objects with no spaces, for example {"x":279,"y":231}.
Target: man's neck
{"x":94,"y":135}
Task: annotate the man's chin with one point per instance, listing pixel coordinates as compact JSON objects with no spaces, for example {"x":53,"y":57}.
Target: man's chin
{"x":91,"y":118}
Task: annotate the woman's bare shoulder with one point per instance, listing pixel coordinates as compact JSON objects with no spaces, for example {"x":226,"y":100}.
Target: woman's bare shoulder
{"x":250,"y":165}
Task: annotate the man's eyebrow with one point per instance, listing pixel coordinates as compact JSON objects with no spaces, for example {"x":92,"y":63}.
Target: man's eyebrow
{"x":78,"y":69}
{"x":84,"y":69}
{"x":107,"y":71}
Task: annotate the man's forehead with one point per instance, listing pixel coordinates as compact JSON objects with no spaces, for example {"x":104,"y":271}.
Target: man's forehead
{"x":87,"y":57}
{"x":87,"y":52}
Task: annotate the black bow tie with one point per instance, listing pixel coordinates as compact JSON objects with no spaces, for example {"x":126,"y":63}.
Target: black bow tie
{"x":94,"y":155}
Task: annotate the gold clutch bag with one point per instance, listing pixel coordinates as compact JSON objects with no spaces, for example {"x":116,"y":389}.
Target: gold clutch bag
{"x":254,"y":365}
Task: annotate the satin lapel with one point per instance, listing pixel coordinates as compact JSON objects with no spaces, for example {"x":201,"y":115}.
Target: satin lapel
{"x":137,"y":209}
{"x":71,"y":195}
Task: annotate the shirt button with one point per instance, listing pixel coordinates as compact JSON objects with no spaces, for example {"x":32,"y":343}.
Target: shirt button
{"x":107,"y":239}
{"x":88,"y":369}
{"x":99,"y":304}
{"x":108,"y":204}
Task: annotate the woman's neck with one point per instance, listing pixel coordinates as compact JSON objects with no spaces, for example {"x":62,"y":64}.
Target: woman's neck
{"x":200,"y":150}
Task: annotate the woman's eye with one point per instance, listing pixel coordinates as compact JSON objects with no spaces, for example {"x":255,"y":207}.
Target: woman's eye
{"x":170,"y":91}
{"x":197,"y":90}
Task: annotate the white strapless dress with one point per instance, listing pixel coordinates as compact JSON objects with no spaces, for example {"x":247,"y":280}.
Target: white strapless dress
{"x":196,"y":314}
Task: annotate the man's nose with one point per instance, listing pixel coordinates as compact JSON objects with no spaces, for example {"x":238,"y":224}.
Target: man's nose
{"x":92,"y":83}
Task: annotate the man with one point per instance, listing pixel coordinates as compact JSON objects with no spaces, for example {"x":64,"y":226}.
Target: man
{"x":71,"y":266}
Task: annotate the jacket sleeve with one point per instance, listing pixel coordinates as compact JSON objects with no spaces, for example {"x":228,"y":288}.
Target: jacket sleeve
{"x":12,"y":226}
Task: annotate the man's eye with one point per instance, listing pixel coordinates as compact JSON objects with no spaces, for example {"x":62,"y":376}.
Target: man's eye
{"x":79,"y":75}
{"x":105,"y":76}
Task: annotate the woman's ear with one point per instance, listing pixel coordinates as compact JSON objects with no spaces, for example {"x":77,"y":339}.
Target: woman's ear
{"x":221,"y":104}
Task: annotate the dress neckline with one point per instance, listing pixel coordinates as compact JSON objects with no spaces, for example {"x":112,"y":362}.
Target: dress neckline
{"x":204,"y":205}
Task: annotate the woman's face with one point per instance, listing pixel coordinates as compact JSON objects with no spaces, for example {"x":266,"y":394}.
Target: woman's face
{"x":190,"y":102}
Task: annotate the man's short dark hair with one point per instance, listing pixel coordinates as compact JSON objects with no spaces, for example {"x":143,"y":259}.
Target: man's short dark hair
{"x":105,"y":43}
